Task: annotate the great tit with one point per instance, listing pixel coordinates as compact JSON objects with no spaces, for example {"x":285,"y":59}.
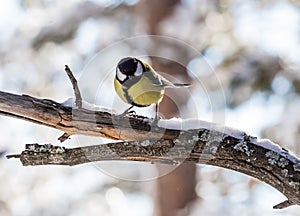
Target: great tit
{"x":138,"y":84}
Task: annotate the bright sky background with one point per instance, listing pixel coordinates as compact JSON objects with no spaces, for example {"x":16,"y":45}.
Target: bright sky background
{"x":274,"y":29}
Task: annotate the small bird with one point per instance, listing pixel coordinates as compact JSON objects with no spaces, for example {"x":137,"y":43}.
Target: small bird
{"x":138,"y":84}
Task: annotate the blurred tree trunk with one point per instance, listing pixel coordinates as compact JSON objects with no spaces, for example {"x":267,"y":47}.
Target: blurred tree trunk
{"x":176,"y":189}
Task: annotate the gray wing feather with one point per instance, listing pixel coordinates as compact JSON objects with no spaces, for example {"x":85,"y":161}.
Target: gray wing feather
{"x":160,"y":81}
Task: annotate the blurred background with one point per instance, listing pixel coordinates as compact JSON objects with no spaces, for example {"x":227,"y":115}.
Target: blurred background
{"x":242,"y":57}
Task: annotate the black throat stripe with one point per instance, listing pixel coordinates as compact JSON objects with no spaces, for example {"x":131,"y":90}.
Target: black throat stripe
{"x":128,"y":82}
{"x":129,"y":99}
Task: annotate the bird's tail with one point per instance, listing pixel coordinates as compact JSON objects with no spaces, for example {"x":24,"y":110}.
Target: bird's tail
{"x":180,"y":85}
{"x":175,"y":85}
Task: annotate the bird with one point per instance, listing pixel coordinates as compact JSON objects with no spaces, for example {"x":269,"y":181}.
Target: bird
{"x":138,"y":84}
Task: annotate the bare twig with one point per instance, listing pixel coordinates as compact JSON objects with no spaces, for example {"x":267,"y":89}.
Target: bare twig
{"x":64,"y":137}
{"x":283,"y":204}
{"x":13,"y":156}
{"x":78,"y":98}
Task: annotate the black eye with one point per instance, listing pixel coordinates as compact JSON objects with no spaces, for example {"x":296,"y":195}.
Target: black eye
{"x":128,"y":66}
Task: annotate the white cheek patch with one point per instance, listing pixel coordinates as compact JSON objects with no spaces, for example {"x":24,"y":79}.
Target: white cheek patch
{"x":139,"y":70}
{"x":120,"y":75}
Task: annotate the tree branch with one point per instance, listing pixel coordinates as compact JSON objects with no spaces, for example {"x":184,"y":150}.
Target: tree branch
{"x":79,"y":120}
{"x":78,"y":98}
{"x":223,"y":147}
{"x":247,"y":155}
{"x":77,"y":94}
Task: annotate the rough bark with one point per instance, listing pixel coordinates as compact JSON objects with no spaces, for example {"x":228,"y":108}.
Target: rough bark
{"x":80,"y":121}
{"x":242,"y":153}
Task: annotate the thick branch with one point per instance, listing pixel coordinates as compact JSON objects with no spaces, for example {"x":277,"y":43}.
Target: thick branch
{"x":80,"y":121}
{"x":209,"y":144}
{"x":246,"y":155}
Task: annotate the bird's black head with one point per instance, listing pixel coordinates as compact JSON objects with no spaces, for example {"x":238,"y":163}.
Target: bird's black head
{"x":128,"y":66}
{"x":129,"y":69}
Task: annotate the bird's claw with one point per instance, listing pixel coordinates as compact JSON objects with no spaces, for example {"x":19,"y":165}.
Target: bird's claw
{"x":128,"y":112}
{"x":131,"y":112}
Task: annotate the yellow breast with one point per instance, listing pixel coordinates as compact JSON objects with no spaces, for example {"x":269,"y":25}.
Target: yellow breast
{"x":142,"y":93}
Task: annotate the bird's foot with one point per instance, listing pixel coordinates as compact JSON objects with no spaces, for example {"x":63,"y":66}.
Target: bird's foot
{"x":128,"y":112}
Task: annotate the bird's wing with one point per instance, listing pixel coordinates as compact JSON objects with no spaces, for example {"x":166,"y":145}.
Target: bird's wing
{"x":160,"y":81}
{"x":154,"y":77}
